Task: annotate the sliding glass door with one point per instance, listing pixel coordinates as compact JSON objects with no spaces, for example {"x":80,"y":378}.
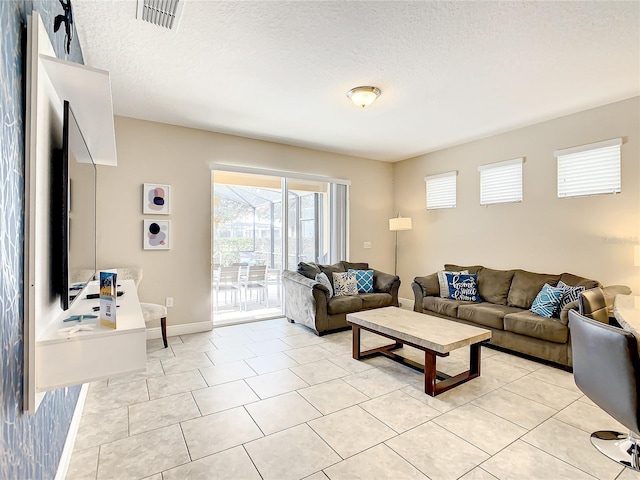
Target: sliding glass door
{"x":308,"y":226}
{"x":257,"y":217}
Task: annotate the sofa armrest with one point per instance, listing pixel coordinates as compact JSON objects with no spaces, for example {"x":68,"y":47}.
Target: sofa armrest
{"x":387,"y":283}
{"x":610,"y":293}
{"x":305,"y":300}
{"x":564,"y":313}
{"x":300,"y":279}
{"x":424,"y":287}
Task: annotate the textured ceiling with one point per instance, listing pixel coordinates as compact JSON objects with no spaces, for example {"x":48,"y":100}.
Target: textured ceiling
{"x":449,"y":72}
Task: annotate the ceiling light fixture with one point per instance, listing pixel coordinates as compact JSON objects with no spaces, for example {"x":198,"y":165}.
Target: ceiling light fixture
{"x":363,"y":96}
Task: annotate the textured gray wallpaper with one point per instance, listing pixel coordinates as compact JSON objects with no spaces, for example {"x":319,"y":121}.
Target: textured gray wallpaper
{"x":30,"y":445}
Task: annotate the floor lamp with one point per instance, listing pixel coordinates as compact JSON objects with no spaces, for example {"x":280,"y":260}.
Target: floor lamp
{"x":395,"y":225}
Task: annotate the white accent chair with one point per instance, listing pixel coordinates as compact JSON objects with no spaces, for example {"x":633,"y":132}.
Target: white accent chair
{"x":150,"y":311}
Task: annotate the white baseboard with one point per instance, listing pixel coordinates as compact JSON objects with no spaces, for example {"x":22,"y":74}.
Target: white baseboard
{"x":182,"y":329}
{"x":406,"y":303}
{"x":65,"y":458}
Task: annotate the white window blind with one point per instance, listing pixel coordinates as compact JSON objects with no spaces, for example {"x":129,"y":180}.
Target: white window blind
{"x":501,"y":182}
{"x":592,"y":169}
{"x":441,"y":190}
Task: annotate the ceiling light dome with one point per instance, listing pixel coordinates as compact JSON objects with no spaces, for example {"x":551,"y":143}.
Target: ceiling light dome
{"x":363,"y":96}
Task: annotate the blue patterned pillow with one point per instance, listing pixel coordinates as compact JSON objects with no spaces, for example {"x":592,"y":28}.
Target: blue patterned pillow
{"x":463,"y":287}
{"x":344,"y":283}
{"x":364,"y":279}
{"x":569,"y":294}
{"x":547,"y":301}
{"x":324,"y":280}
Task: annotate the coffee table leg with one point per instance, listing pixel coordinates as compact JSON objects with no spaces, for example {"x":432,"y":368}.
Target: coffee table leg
{"x":430,"y":374}
{"x":474,"y":359}
{"x":356,"y":342}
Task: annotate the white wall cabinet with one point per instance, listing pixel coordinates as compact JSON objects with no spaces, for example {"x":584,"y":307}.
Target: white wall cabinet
{"x":52,"y":360}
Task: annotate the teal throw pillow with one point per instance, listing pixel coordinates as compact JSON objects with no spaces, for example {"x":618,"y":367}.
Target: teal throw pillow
{"x":324,"y":280}
{"x":569,"y":294}
{"x":547,"y":301}
{"x":364,"y":279}
{"x":463,"y":287}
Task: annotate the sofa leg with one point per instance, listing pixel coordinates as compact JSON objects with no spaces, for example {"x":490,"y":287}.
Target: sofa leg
{"x":163,"y":327}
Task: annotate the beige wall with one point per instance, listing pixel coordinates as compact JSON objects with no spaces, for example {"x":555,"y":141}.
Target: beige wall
{"x":589,"y":236}
{"x":181,"y":157}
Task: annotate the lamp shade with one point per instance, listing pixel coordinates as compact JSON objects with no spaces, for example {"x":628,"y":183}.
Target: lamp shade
{"x":400,"y":223}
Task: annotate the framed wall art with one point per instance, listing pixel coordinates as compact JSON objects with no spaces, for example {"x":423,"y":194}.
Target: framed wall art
{"x":155,"y":234}
{"x":156,"y":199}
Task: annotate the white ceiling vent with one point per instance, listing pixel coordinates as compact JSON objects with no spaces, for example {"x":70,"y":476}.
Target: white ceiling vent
{"x":163,"y":13}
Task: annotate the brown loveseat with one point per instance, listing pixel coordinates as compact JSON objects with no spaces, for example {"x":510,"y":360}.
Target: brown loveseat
{"x":506,"y":297}
{"x":308,"y":302}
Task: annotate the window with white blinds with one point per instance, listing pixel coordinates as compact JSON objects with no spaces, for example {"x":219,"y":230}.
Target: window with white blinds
{"x":441,"y":190}
{"x":501,"y":182}
{"x":592,"y":169}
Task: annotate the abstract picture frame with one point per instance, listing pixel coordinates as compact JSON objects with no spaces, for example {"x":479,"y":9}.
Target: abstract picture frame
{"x":156,"y":234}
{"x":156,"y":199}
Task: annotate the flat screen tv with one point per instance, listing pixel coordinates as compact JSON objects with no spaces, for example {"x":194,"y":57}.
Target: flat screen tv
{"x":73,"y":213}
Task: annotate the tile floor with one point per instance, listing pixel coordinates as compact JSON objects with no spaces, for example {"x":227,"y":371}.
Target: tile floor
{"x":271,"y":400}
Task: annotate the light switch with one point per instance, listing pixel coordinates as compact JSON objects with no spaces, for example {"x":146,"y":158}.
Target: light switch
{"x":367,"y":244}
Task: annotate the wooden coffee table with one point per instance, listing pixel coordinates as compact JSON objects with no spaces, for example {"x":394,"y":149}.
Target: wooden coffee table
{"x":435,"y":336}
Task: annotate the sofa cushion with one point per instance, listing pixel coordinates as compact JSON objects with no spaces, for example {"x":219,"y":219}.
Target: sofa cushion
{"x":457,"y":268}
{"x":344,"y":283}
{"x":354,"y":266}
{"x":525,"y":286}
{"x":463,"y":287}
{"x":442,"y":306}
{"x":344,"y":304}
{"x":375,"y":300}
{"x":364,"y":280}
{"x":328,"y":270}
{"x":442,"y":281}
{"x":309,"y":270}
{"x":532,"y":325}
{"x":487,"y":314}
{"x":493,"y":285}
{"x":576,"y":281}
{"x":547,"y":301}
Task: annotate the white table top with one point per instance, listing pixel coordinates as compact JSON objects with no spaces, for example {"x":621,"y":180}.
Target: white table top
{"x":128,"y":318}
{"x":437,"y":334}
{"x":626,"y":309}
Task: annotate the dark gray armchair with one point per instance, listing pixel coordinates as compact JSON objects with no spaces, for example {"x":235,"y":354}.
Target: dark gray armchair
{"x":606,"y":368}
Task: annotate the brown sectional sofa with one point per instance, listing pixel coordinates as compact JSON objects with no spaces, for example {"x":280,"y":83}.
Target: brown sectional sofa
{"x":307,"y":301}
{"x":507,"y":296}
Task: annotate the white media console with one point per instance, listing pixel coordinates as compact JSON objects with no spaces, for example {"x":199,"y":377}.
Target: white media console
{"x":64,"y":359}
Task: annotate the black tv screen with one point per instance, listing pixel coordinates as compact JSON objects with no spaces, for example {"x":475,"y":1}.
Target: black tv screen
{"x":73,"y":212}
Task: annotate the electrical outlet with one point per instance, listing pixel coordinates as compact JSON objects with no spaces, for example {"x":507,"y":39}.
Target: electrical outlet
{"x":169,"y":302}
{"x":367,"y":244}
